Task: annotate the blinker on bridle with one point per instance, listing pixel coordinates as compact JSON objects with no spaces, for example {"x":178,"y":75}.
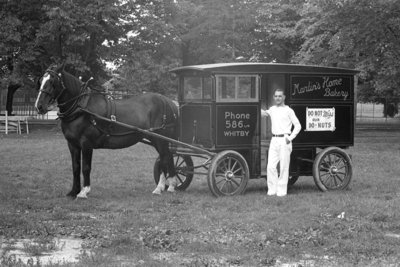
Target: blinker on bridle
{"x":59,"y":78}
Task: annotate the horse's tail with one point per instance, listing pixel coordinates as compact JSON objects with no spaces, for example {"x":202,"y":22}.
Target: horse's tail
{"x":171,"y":112}
{"x":177,"y":120}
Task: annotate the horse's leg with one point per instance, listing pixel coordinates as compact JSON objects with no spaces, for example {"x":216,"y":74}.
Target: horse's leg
{"x":168,"y":167}
{"x":171,"y":171}
{"x":76,"y":169}
{"x":87,"y":154}
{"x":161,"y":184}
{"x":163,"y":176}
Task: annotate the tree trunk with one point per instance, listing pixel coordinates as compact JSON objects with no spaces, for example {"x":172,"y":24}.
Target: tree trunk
{"x":12,"y":88}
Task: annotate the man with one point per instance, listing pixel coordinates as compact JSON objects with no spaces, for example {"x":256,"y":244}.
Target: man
{"x":282,"y":120}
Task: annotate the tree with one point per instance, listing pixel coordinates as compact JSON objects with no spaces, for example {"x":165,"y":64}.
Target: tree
{"x":19,"y":21}
{"x":354,"y":33}
{"x":276,"y":38}
{"x":37,"y":33}
{"x":148,"y":52}
{"x":214,"y":30}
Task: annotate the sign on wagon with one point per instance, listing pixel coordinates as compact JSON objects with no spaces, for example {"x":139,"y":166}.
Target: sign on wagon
{"x":320,"y":119}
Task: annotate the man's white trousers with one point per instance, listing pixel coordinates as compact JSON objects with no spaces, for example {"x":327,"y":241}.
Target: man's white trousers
{"x":279,"y":152}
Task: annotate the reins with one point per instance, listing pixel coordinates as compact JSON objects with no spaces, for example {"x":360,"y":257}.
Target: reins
{"x":79,"y":105}
{"x":84,"y":91}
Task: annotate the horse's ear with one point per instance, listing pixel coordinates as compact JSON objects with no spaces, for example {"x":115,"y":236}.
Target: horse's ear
{"x":63,"y":65}
{"x":60,"y":68}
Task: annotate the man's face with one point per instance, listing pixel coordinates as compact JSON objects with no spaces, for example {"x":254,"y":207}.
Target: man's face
{"x":279,"y":98}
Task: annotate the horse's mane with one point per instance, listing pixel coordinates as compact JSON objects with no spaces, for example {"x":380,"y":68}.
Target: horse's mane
{"x":71,"y":82}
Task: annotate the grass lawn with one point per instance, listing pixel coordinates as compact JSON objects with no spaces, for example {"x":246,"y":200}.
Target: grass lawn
{"x":123,"y":224}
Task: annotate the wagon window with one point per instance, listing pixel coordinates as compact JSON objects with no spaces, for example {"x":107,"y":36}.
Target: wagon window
{"x":192,"y":87}
{"x":197,"y":88}
{"x":237,"y":88}
{"x":207,"y":84}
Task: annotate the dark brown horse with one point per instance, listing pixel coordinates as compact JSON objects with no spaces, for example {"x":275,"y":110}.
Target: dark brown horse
{"x":82,"y":110}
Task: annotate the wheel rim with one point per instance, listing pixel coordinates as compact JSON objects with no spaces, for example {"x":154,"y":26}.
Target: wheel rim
{"x":334,"y":169}
{"x":229,"y":176}
{"x":181,"y":170}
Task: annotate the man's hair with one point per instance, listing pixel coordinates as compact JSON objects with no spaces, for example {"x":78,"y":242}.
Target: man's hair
{"x":279,"y":90}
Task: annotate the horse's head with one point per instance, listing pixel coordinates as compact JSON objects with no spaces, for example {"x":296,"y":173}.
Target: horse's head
{"x":51,"y":87}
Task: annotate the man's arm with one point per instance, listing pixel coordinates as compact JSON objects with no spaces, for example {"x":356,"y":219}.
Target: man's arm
{"x":296,"y":124}
{"x":264,"y":112}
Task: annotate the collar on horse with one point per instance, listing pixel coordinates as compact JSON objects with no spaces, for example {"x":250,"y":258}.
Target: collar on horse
{"x":78,"y":102}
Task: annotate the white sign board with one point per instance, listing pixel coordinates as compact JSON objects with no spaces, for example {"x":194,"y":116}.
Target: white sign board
{"x":320,"y":119}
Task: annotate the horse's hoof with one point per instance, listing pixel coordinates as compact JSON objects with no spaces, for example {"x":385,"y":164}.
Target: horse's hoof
{"x":171,"y":189}
{"x":157,"y":191}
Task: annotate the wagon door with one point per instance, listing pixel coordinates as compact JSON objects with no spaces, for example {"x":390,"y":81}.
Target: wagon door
{"x":237,"y":116}
{"x":195,"y":111}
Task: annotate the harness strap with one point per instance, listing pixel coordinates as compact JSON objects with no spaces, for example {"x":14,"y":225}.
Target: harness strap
{"x":111,"y":108}
{"x":166,"y":105}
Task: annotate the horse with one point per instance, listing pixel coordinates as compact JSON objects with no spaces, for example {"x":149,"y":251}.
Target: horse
{"x":87,"y":121}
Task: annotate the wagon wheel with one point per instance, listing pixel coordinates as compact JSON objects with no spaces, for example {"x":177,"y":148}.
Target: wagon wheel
{"x":228,"y":174}
{"x":292,"y":180}
{"x":332,"y":169}
{"x":184,"y":171}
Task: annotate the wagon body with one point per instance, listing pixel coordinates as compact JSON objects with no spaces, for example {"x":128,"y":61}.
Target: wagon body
{"x":220,"y":110}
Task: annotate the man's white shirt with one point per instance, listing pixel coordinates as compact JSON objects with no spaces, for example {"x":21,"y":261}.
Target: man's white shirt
{"x":282,"y":120}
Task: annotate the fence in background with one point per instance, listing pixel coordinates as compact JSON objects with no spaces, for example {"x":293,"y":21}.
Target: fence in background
{"x":366,"y":113}
{"x":374,"y":113}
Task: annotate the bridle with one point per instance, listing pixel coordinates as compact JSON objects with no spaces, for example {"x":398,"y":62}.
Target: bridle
{"x":71,"y":105}
{"x":58,"y":76}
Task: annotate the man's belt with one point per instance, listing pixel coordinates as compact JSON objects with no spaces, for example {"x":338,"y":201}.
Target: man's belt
{"x":278,"y":135}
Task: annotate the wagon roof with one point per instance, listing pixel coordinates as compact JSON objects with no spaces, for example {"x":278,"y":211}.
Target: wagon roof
{"x":246,"y":67}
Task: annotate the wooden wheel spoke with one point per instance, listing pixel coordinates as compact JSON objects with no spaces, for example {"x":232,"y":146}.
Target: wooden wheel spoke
{"x":341,"y":179}
{"x":230,"y":186}
{"x":325,"y":176}
{"x":221,"y":169}
{"x":326,"y":160}
{"x":229,"y":164}
{"x":237,"y":170}
{"x":224,"y":167}
{"x":235,"y":182}
{"x":180,"y":163}
{"x":323,"y":168}
{"x":219,"y":176}
{"x":220,"y":181}
{"x":325,"y":173}
{"x":179,"y":178}
{"x":340,"y":161}
{"x":330,"y":159}
{"x":223,"y":186}
{"x":341,"y":167}
{"x":234,"y":166}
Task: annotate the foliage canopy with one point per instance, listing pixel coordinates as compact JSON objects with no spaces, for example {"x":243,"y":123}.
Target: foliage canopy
{"x":144,"y":39}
